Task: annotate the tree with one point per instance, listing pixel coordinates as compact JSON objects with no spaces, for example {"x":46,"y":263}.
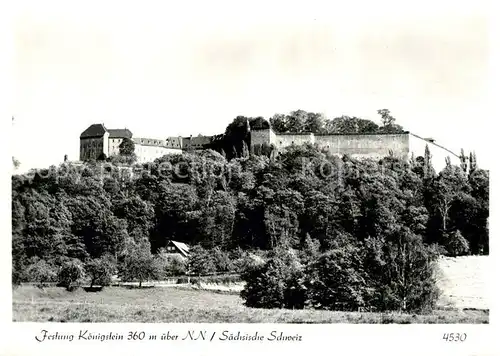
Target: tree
{"x":387,"y":118}
{"x":367,"y":126}
{"x":278,"y":123}
{"x":200,"y":261}
{"x":336,"y":280}
{"x":472,"y":162}
{"x":176,"y":214}
{"x":310,"y":249}
{"x":100,"y":271}
{"x":102,"y":157}
{"x":428,"y":169}
{"x":40,"y":272}
{"x":127,"y":147}
{"x":388,"y":122}
{"x":268,"y":285}
{"x":298,"y":121}
{"x":221,"y":260}
{"x":463,"y":161}
{"x":456,"y":244}
{"x":314,"y":123}
{"x":174,"y":265}
{"x":236,"y":133}
{"x":245,"y":152}
{"x":137,"y":213}
{"x":401,"y":273}
{"x":15,"y":163}
{"x":350,"y":125}
{"x":244,"y":261}
{"x":477,"y":221}
{"x":450,"y":182}
{"x":139,"y":266}
{"x":70,"y":273}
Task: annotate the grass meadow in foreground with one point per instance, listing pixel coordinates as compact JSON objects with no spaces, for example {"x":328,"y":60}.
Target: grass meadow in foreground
{"x":175,"y":305}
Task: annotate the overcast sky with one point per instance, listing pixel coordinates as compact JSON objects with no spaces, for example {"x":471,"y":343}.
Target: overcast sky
{"x":190,"y":67}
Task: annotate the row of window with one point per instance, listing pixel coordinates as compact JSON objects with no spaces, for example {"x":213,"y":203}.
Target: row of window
{"x":154,"y":142}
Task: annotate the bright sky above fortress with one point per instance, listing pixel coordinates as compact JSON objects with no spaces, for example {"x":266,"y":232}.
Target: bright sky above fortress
{"x":180,"y":68}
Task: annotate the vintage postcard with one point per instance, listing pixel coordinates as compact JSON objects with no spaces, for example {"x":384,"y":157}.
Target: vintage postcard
{"x":249,"y":177}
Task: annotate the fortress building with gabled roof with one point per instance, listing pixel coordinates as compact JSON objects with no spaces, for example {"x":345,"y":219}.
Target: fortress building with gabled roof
{"x":97,"y":141}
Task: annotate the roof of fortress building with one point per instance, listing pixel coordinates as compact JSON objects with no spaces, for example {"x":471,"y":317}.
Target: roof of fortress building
{"x":120,"y":133}
{"x":98,"y":130}
{"x":95,"y":130}
{"x":295,"y":133}
{"x":334,"y":134}
{"x":363,"y":133}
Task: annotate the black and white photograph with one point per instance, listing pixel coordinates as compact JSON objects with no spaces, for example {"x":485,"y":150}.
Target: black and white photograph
{"x":251,"y":163}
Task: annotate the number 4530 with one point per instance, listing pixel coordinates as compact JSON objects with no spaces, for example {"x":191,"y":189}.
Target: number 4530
{"x":455,"y":337}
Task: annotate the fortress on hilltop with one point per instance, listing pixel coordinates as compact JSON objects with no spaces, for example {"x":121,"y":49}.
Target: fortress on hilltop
{"x":98,"y":141}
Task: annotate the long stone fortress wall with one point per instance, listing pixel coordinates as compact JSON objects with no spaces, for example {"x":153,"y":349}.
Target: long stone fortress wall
{"x":375,"y":146}
{"x":365,"y":146}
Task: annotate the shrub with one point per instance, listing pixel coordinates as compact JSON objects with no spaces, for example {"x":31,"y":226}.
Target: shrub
{"x":70,"y":273}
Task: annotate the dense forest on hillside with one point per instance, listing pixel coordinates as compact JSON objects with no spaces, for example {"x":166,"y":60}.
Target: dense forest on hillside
{"x":370,"y":220}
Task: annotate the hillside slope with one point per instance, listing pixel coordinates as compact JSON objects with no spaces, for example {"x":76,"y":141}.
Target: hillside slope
{"x":464,"y":282}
